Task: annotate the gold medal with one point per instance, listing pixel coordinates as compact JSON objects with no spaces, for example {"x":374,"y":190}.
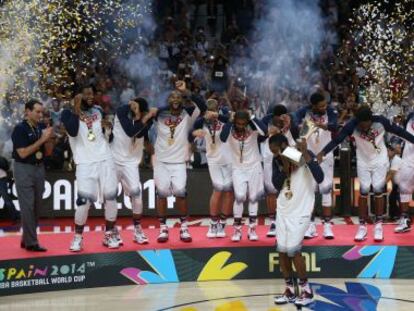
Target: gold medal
{"x":288,"y":194}
{"x":91,"y":135}
{"x":170,"y":141}
{"x":39,"y":155}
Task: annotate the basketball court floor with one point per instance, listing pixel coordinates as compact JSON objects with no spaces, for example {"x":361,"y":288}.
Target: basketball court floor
{"x":242,"y":295}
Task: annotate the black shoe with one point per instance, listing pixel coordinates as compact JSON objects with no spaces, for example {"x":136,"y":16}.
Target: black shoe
{"x":22,"y":244}
{"x":36,"y":248}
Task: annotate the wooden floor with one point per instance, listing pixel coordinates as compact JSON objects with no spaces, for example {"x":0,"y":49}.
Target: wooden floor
{"x":257,"y":295}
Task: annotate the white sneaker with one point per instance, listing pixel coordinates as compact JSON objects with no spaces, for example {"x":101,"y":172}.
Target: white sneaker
{"x":251,"y":233}
{"x":76,"y":245}
{"x":311,"y":232}
{"x":221,"y":232}
{"x":404,"y":225}
{"x":237,"y":235}
{"x":163,"y":236}
{"x":361,"y":234}
{"x":139,"y":235}
{"x":304,"y":299}
{"x":110,"y":240}
{"x":378,"y":232}
{"x":287,"y":297}
{"x":327,"y":231}
{"x":117,"y":236}
{"x":212,"y":230}
{"x":185,"y":234}
{"x":272,"y":230}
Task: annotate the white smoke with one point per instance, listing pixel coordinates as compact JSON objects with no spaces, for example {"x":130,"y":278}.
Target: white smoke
{"x":285,"y":45}
{"x":143,"y":66}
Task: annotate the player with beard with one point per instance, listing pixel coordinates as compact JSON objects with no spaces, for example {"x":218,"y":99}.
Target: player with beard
{"x":277,"y":122}
{"x":173,"y":125}
{"x":325,"y":119}
{"x":131,"y":125}
{"x":296,"y":197}
{"x":368,"y":131}
{"x":219,"y":165}
{"x":242,"y":135}
{"x":95,"y":168}
{"x":406,"y":179}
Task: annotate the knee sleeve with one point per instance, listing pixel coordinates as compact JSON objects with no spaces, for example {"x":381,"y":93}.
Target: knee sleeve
{"x":253,"y":207}
{"x":111,"y":210}
{"x":136,"y":203}
{"x":81,"y":213}
{"x":237,"y":210}
{"x":327,"y":199}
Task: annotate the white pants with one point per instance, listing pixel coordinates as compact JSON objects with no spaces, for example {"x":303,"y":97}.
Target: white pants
{"x":267,"y":176}
{"x":221,"y":177}
{"x":128,"y":176}
{"x":406,"y":182}
{"x":170,"y":179}
{"x":97,"y":181}
{"x":290,"y":232}
{"x":248,"y":183}
{"x":372,"y":176}
{"x":325,"y":188}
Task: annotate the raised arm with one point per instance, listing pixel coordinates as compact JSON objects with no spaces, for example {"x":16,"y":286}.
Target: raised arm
{"x":332,"y":119}
{"x":130,"y":127}
{"x":225,"y":132}
{"x":70,"y":122}
{"x":394,"y":129}
{"x":258,"y":125}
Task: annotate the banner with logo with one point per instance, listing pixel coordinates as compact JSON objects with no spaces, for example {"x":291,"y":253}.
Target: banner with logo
{"x":203,"y":264}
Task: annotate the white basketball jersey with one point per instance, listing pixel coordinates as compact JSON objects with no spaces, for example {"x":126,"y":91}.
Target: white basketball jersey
{"x":125,"y":149}
{"x":217,"y":151}
{"x":408,"y":152}
{"x":244,"y":150}
{"x":171,"y":145}
{"x":86,"y":151}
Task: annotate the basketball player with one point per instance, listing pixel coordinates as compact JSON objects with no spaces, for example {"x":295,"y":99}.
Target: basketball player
{"x":95,"y":168}
{"x":219,"y":165}
{"x":131,"y":126}
{"x":173,"y":125}
{"x":325,"y":119}
{"x":295,"y":201}
{"x":372,"y":162}
{"x":406,"y":179}
{"x":242,"y":135}
{"x":276,"y":122}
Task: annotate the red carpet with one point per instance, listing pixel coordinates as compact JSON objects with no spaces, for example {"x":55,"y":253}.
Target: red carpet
{"x":58,"y":244}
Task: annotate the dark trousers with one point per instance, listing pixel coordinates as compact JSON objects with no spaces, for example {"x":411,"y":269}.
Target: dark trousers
{"x":30,"y":183}
{"x":9,"y":207}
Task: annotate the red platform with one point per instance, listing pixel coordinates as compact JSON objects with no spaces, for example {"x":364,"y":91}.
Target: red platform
{"x":58,"y":243}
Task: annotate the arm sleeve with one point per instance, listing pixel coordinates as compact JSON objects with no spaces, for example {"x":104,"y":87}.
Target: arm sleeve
{"x":259,"y":126}
{"x":299,"y":115}
{"x":278,"y":177}
{"x":315,"y":168}
{"x":130,"y":127}
{"x":144,"y":131}
{"x":347,"y":130}
{"x":394,"y":129}
{"x":199,"y":102}
{"x":225,"y":132}
{"x":332,"y":120}
{"x":71,"y":122}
